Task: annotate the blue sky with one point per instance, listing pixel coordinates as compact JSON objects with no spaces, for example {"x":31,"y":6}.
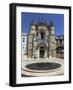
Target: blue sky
{"x":57,"y":19}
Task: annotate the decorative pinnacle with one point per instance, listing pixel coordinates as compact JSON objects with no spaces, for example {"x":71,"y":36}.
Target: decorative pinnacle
{"x":51,"y":23}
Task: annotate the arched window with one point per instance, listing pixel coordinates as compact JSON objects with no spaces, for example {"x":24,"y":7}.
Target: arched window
{"x":42,"y":35}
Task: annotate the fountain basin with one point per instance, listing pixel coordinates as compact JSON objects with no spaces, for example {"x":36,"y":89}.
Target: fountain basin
{"x":48,"y":67}
{"x":43,"y":66}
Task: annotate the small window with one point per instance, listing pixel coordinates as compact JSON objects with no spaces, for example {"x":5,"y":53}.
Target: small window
{"x":60,"y":41}
{"x":23,"y":39}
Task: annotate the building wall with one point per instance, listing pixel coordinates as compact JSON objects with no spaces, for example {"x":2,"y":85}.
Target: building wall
{"x":32,"y":47}
{"x":24,"y":43}
{"x":53,"y":45}
{"x":60,"y":46}
{"x":41,"y":35}
{"x":29,"y":45}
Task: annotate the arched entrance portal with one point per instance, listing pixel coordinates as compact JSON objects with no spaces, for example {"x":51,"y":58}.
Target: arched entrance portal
{"x":42,"y":52}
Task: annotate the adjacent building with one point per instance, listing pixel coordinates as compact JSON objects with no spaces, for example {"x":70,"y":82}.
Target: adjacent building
{"x":60,"y":46}
{"x":24,"y":43}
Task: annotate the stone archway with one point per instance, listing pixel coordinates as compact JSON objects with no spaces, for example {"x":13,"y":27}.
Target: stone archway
{"x":41,"y":50}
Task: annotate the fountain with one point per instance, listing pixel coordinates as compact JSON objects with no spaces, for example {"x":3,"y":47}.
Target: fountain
{"x":44,"y":67}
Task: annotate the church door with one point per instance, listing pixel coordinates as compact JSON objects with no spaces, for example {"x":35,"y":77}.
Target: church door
{"x":42,"y":52}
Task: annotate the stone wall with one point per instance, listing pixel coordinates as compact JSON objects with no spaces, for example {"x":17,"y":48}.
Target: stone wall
{"x":30,"y":46}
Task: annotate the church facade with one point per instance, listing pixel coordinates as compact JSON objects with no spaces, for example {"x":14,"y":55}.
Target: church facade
{"x":41,"y":41}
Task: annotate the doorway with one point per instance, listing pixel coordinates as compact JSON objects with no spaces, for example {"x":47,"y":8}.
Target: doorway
{"x":42,"y":52}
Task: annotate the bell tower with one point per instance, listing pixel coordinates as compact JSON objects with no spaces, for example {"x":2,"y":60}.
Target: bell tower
{"x":30,"y":38}
{"x":52,"y":47}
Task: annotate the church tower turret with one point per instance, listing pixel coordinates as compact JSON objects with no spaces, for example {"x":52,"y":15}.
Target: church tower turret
{"x":52,"y":28}
{"x":31,"y":35}
{"x":52,"y":48}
